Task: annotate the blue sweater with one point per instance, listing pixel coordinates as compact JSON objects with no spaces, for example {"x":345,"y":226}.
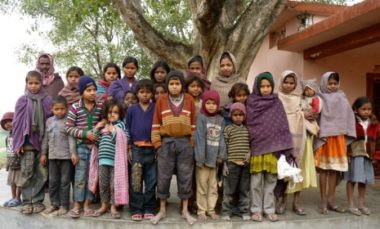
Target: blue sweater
{"x":139,"y":123}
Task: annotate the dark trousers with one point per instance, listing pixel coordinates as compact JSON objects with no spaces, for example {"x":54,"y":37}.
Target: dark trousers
{"x":236,"y":182}
{"x":176,"y":154}
{"x":59,"y":182}
{"x":143,"y":170}
{"x":106,"y":184}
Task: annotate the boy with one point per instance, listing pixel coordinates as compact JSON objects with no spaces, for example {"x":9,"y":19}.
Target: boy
{"x":83,"y":122}
{"x":173,"y":138}
{"x":55,"y":146}
{"x":13,"y":163}
{"x":141,"y":153}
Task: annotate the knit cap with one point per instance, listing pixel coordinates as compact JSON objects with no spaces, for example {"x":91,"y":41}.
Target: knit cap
{"x":6,"y":117}
{"x":85,"y":82}
{"x":238,"y":106}
{"x":175,"y":73}
{"x":210,"y":95}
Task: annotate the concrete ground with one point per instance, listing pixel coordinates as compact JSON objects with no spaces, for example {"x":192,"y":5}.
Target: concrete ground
{"x":11,"y":218}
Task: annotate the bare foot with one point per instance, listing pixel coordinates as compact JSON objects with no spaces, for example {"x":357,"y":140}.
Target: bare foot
{"x":214,"y":216}
{"x":62,"y":211}
{"x":190,"y":220}
{"x":158,"y":217}
{"x":202,"y":217}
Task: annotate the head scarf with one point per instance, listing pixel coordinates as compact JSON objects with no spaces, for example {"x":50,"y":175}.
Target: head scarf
{"x":238,"y":106}
{"x":7,"y":117}
{"x":48,"y":78}
{"x":312,"y":84}
{"x":210,"y":95}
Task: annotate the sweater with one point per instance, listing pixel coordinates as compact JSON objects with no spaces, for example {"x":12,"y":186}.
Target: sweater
{"x":139,"y":124}
{"x":209,"y":140}
{"x":237,"y":141}
{"x":167,"y":124}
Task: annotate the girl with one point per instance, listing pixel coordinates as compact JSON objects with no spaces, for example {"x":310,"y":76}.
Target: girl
{"x":129,"y":99}
{"x":195,"y":86}
{"x":31,"y":112}
{"x":227,"y":77}
{"x":158,"y":89}
{"x":337,"y":130}
{"x":111,"y":72}
{"x":269,"y":138}
{"x":210,"y":151}
{"x":311,"y":105}
{"x":361,"y":153}
{"x":159,"y":71}
{"x":71,"y":90}
{"x":113,"y":166}
{"x":238,"y":94}
{"x":196,"y":67}
{"x":119,"y":87}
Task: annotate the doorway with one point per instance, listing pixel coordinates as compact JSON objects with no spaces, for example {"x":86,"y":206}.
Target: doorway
{"x":373,"y":91}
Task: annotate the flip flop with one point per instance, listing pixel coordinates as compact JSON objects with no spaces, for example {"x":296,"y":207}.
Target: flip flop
{"x":354,"y":211}
{"x":38,"y":208}
{"x":13,"y":203}
{"x":148,"y":216}
{"x":299,"y":211}
{"x":88,"y":212}
{"x":365,"y":211}
{"x":136,"y":217}
{"x":74,"y":213}
{"x":27,"y":209}
{"x":7,"y":202}
{"x":323,"y":211}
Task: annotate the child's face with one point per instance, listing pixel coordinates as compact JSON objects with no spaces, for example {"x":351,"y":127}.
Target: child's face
{"x":241,"y":97}
{"x":8,"y":125}
{"x":196,"y":68}
{"x":129,"y":99}
{"x":160,"y":75}
{"x":237,"y":117}
{"x":332,"y":85}
{"x":159,"y":91}
{"x":175,"y":87}
{"x":226,"y":67}
{"x":110,"y":74}
{"x":308,"y":92}
{"x":288,"y":85}
{"x":113,"y":114}
{"x":130,"y":70}
{"x":89,"y":93}
{"x":59,"y":110}
{"x":265,"y":87}
{"x":73,"y":78}
{"x":365,"y":111}
{"x":211,"y":106}
{"x":194,"y":89}
{"x":144,"y":95}
{"x":33,"y":85}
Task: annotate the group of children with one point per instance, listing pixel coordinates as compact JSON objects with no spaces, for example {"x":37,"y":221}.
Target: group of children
{"x":123,"y":139}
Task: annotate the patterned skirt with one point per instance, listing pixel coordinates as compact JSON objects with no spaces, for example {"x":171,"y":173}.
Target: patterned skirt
{"x":332,"y":155}
{"x":264,"y":163}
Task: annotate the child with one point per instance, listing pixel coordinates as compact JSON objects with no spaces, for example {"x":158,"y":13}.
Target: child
{"x":111,"y":72}
{"x":119,"y":87}
{"x":195,"y":67}
{"x":31,"y":112}
{"x":142,"y":154}
{"x":71,"y":91}
{"x":55,"y":146}
{"x":172,"y":136}
{"x":129,"y":99}
{"x":13,"y":163}
{"x":238,"y":94}
{"x":227,"y":77}
{"x":83,"y":121}
{"x":269,"y":137}
{"x":195,"y":87}
{"x":236,"y":167}
{"x":112,"y":156}
{"x":337,"y":130}
{"x":210,"y":151}
{"x":361,"y":153}
{"x":158,"y":89}
{"x":159,"y":71}
{"x":311,"y":105}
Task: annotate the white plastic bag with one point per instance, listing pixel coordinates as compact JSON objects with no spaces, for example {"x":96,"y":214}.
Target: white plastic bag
{"x":287,"y":171}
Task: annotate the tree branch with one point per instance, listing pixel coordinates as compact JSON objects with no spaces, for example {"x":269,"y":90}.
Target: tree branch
{"x":208,"y":14}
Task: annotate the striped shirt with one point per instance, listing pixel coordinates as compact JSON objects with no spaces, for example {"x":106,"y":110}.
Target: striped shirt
{"x":107,"y":143}
{"x":80,"y":120}
{"x":237,"y":141}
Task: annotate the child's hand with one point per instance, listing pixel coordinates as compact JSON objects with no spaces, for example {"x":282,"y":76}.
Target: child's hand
{"x":247,"y":156}
{"x":111,"y":128}
{"x":74,"y":159}
{"x":101,"y":124}
{"x":130,"y":156}
{"x":20,"y":151}
{"x":225,"y":171}
{"x":43,"y":160}
{"x":91,"y":136}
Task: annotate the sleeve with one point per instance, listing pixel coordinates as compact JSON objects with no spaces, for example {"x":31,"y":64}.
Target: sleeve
{"x":72,"y":145}
{"x":200,"y":141}
{"x":222,"y":152}
{"x":45,"y":140}
{"x":192,"y":119}
{"x":157,"y":121}
{"x":71,"y":128}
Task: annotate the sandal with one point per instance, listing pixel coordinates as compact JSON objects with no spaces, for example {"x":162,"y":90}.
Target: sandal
{"x":13,"y":203}
{"x":88,"y":212}
{"x":74,"y":213}
{"x":354,"y":211}
{"x":272,"y":217}
{"x":27,"y":209}
{"x":335,"y":208}
{"x":299,"y":211}
{"x":365,"y":211}
{"x":136,"y":217}
{"x":257,"y":217}
{"x":38,"y":208}
{"x":148,"y":216}
{"x":323,"y":211}
{"x":7,"y":202}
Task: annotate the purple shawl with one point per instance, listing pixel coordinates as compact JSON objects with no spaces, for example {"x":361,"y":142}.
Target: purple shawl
{"x":337,"y":117}
{"x":119,"y":87}
{"x":267,"y":122}
{"x":23,"y":118}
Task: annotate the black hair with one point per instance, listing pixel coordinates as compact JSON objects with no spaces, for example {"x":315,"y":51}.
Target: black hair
{"x":76,"y":69}
{"x":334,"y":76}
{"x":129,"y":92}
{"x":159,"y":64}
{"x":195,"y":59}
{"x":145,"y":84}
{"x":59,"y":99}
{"x":192,"y":78}
{"x":360,"y":102}
{"x":111,"y":104}
{"x":44,"y":56}
{"x":224,"y":56}
{"x":130,"y":59}
{"x":32,"y":74}
{"x":157,"y":85}
{"x":236,"y":88}
{"x":112,"y":65}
